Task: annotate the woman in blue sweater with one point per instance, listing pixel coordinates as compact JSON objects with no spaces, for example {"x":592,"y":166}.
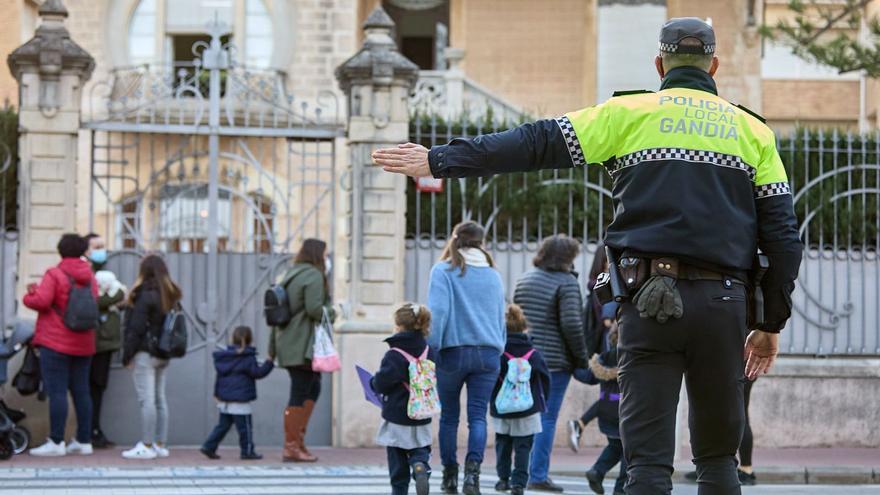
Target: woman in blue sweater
{"x":466,"y":298}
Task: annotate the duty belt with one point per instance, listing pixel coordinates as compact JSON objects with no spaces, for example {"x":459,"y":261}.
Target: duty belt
{"x":672,"y":267}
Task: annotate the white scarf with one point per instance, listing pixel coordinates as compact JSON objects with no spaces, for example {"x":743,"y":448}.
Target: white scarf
{"x":474,"y":257}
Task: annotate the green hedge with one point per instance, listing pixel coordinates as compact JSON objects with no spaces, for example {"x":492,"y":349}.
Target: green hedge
{"x":842,"y":207}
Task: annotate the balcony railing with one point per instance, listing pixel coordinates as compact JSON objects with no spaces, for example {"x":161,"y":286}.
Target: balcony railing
{"x":179,"y":94}
{"x":452,"y":96}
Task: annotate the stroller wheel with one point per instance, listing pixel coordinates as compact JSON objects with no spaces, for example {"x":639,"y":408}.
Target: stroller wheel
{"x":6,"y":449}
{"x":21,"y":439}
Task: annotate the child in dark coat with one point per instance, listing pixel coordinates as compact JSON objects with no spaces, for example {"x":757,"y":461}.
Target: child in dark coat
{"x":235,"y":389}
{"x":603,"y":371}
{"x":407,"y":441}
{"x":515,"y":432}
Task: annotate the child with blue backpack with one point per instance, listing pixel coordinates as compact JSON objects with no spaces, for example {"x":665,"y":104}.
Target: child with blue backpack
{"x":407,"y":383}
{"x":517,"y":402}
{"x":235,"y":389}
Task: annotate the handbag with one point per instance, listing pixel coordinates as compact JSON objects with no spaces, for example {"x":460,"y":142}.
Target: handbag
{"x":324,"y":355}
{"x":28,"y":379}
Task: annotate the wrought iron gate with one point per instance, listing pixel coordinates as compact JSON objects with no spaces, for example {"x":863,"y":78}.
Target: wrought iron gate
{"x":216,"y":167}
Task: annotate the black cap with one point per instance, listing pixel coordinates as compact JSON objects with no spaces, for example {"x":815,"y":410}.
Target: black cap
{"x":679,"y":28}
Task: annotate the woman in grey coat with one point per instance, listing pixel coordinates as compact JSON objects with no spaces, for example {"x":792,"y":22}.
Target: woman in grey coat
{"x":550,"y":297}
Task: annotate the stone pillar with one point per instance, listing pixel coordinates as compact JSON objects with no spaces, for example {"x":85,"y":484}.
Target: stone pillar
{"x":454,"y":77}
{"x":376,"y":81}
{"x":51,"y":70}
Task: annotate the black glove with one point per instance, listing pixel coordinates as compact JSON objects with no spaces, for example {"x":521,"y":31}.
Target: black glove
{"x":659,"y":299}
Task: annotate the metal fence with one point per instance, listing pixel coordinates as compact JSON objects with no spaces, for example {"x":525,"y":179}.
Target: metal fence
{"x":835,"y":181}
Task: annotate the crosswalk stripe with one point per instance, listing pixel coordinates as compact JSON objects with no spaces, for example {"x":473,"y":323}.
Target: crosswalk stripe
{"x":220,"y":481}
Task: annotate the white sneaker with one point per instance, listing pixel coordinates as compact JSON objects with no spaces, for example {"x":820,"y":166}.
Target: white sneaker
{"x":140,"y":451}
{"x":77,"y":448}
{"x":50,"y":449}
{"x":161,"y":451}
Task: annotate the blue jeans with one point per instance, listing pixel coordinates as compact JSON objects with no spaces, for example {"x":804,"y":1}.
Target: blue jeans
{"x":62,"y":372}
{"x":478,"y":368}
{"x":245,"y":426}
{"x":539,"y":466}
{"x":399,"y":463}
{"x":611,"y":455}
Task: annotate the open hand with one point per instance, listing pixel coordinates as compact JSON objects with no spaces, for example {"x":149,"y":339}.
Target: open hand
{"x":760,"y":352}
{"x":408,"y":159}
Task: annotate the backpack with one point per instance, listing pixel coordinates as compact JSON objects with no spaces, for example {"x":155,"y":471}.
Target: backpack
{"x":82,"y":308}
{"x":173,"y":339}
{"x":276,"y":306}
{"x":516,"y":391}
{"x":423,"y":399}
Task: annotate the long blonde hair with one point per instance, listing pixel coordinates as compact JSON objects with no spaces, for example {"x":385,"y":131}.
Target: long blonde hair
{"x":465,"y":235}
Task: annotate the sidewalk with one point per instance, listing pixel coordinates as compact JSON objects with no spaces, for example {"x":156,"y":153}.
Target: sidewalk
{"x":793,"y":466}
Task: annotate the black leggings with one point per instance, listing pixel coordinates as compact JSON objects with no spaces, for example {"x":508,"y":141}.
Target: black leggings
{"x":99,"y":375}
{"x":305,"y":384}
{"x":745,"y":445}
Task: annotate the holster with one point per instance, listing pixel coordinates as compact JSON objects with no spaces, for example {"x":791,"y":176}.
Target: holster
{"x":634,"y":272}
{"x":755,"y":313}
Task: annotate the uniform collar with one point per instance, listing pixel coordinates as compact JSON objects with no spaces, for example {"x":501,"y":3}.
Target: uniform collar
{"x":690,"y":78}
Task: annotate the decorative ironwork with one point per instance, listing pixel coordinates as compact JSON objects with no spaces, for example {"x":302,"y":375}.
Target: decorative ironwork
{"x":219,"y":167}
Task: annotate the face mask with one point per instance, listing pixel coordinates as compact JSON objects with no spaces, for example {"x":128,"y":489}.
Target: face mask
{"x":98,"y":256}
{"x":328,"y":265}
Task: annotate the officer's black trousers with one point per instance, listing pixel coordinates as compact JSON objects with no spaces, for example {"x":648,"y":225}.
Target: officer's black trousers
{"x":706,"y":347}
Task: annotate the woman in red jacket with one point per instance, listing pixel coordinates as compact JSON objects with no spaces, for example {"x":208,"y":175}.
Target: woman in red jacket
{"x":65,"y":355}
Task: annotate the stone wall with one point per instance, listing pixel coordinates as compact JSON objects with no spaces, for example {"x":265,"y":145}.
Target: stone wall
{"x":539,"y":55}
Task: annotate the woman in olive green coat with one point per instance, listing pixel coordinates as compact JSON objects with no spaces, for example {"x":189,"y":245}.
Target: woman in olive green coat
{"x":291,"y":346}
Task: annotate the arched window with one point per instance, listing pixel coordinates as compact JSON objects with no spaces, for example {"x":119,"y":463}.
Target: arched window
{"x":164,"y":30}
{"x":142,"y":33}
{"x":257,"y":35}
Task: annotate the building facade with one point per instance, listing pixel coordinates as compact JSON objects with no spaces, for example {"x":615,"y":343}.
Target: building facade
{"x":223,"y":132}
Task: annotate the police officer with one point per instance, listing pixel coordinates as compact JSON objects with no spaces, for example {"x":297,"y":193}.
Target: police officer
{"x":698,"y":188}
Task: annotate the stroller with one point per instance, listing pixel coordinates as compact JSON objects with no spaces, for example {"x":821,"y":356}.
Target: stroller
{"x":14,"y":438}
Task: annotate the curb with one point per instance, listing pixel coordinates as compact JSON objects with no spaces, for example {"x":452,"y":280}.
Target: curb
{"x":775,"y":475}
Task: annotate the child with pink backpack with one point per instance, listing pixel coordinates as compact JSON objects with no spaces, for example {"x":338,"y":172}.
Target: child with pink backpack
{"x":407,"y":383}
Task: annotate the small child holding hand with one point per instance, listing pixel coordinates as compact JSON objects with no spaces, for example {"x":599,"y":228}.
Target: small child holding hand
{"x":235,"y":389}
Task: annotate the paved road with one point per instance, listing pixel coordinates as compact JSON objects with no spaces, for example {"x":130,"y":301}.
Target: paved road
{"x":282,"y":480}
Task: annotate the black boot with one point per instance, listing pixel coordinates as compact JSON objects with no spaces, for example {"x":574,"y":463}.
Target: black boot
{"x":595,"y":481}
{"x":471,"y":485}
{"x":450,"y":479}
{"x":421,"y":476}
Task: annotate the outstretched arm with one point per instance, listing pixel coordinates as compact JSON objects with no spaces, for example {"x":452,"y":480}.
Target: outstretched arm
{"x":549,"y":143}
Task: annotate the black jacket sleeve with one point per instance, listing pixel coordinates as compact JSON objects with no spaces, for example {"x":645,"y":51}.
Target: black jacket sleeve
{"x":778,"y":239}
{"x":533,"y":146}
{"x":137,"y":324}
{"x":392,"y":373}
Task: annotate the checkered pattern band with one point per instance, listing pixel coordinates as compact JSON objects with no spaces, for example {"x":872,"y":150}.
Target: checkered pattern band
{"x":772,"y":189}
{"x":673,"y":48}
{"x":686,"y":155}
{"x":571,"y":140}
